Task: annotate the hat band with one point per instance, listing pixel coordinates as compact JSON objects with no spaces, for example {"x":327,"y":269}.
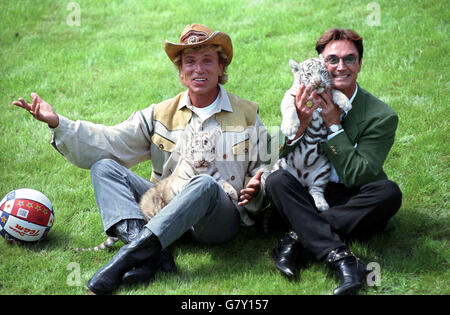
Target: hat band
{"x":193,"y":37}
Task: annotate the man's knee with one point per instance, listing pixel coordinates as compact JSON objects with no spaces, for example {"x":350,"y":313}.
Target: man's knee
{"x":387,"y":190}
{"x":394,"y":191}
{"x":205,"y":184}
{"x":103,"y":167}
{"x":393,"y":196}
{"x":280,"y":179}
{"x":388,"y":194}
{"x":275,"y":178}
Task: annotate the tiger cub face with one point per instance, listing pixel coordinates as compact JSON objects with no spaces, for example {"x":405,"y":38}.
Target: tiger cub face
{"x":199,"y":150}
{"x":311,"y":72}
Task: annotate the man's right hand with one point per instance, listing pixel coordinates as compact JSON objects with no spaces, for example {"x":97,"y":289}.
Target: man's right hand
{"x":252,"y":189}
{"x":305,"y":112}
{"x":40,"y":110}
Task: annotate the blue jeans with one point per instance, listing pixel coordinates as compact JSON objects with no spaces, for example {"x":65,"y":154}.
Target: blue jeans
{"x":202,"y":207}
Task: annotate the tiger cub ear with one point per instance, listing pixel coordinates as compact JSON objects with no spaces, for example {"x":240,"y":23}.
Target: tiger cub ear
{"x":321,"y":59}
{"x":295,"y":66}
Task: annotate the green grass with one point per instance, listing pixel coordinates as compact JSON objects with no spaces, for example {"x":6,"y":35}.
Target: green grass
{"x":114,"y":64}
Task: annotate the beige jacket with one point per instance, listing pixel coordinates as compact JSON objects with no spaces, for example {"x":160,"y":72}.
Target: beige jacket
{"x":153,"y":132}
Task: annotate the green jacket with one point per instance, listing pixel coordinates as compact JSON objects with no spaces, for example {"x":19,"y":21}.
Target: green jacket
{"x":358,"y":153}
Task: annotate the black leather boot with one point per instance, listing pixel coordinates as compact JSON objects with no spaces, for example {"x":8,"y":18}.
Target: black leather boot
{"x":139,"y":250}
{"x":286,"y":255}
{"x":146,"y":271}
{"x":126,"y":231}
{"x":350,"y":270}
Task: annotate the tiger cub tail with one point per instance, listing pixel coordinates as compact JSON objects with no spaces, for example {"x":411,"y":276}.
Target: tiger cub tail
{"x":109,"y":243}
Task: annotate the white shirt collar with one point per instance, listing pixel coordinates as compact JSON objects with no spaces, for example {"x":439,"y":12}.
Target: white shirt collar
{"x":354,"y":94}
{"x":222,"y":99}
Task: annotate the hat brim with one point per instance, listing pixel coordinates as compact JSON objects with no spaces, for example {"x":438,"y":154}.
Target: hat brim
{"x":217,"y":38}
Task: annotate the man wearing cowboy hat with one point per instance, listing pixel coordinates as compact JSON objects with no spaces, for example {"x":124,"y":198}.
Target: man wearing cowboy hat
{"x":203,"y":207}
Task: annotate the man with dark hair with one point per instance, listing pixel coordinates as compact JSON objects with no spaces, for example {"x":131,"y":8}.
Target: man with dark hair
{"x":340,"y":34}
{"x":361,"y":198}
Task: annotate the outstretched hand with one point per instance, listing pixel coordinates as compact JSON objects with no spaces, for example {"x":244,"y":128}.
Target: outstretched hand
{"x":252,"y":189}
{"x":40,"y":110}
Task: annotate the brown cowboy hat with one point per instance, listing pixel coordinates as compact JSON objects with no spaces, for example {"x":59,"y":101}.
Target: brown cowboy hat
{"x":197,"y":35}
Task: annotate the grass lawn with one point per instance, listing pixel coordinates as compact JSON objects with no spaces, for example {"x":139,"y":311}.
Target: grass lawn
{"x":114,"y":63}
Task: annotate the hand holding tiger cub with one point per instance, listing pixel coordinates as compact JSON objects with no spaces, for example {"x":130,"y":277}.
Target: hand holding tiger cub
{"x":330,"y":113}
{"x":305,"y":112}
{"x":296,"y":115}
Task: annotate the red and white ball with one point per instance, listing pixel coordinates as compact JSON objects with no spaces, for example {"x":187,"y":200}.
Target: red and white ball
{"x":26,"y":215}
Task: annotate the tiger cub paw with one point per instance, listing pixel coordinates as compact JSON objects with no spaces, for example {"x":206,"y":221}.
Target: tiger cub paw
{"x":321,"y":203}
{"x":289,"y":127}
{"x":341,"y":100}
{"x":230,"y":191}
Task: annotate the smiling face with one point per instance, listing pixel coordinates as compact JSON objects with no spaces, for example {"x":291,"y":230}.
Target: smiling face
{"x":343,"y":75}
{"x":199,"y":72}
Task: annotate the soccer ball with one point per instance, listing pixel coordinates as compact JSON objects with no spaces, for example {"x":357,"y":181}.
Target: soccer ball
{"x":26,"y":215}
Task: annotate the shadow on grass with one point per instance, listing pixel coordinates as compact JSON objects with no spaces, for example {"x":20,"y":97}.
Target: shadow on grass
{"x":412,"y":244}
{"x":55,"y":240}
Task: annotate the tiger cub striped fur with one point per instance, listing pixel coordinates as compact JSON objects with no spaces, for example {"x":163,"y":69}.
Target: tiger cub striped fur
{"x":197,"y":156}
{"x":306,"y":162}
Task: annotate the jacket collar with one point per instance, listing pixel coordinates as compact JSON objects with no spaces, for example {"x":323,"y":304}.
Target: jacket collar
{"x":356,"y":115}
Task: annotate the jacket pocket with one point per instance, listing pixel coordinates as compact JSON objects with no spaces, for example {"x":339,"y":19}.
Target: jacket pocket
{"x":162,"y":143}
{"x":242,"y":147}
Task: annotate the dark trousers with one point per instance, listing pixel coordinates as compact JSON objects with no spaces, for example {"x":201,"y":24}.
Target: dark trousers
{"x":354,"y":212}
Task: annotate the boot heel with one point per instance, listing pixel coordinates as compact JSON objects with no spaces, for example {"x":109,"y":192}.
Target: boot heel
{"x":350,"y":270}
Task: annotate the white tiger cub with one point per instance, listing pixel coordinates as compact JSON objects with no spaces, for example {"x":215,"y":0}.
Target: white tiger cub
{"x":197,"y":155}
{"x":306,"y":162}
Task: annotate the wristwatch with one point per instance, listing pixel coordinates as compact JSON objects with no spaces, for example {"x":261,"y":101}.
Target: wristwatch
{"x":334,"y":128}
